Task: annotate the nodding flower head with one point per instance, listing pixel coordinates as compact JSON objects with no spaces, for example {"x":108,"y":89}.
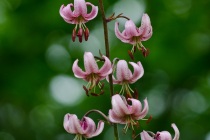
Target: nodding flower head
{"x":92,"y":74}
{"x":134,"y":35}
{"x":125,"y":113}
{"x":79,"y":17}
{"x":124,"y":76}
{"x":163,"y":135}
{"x":82,"y":128}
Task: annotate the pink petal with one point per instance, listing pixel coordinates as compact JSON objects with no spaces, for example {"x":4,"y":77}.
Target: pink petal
{"x":93,"y":12}
{"x":120,"y":35}
{"x":146,"y":28}
{"x":122,"y":72}
{"x":72,"y":124}
{"x":136,"y":105}
{"x":131,"y":29}
{"x":78,"y":71}
{"x":66,"y":13}
{"x":176,"y":137}
{"x":89,"y":126}
{"x":141,"y":114}
{"x":80,"y":7}
{"x":164,"y":135}
{"x":138,"y":71}
{"x":106,"y":69}
{"x":145,"y":136}
{"x":99,"y":129}
{"x":119,"y":106}
{"x":90,"y":63}
{"x":114,"y":118}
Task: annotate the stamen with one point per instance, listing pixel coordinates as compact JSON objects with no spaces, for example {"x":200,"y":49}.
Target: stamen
{"x":86,"y":90}
{"x":130,"y":54}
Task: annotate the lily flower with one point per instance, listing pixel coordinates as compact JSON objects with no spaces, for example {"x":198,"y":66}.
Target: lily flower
{"x":124,"y":113}
{"x":79,"y":17}
{"x":134,"y":35}
{"x":163,"y":135}
{"x":92,"y":73}
{"x":124,"y":76}
{"x":82,"y":128}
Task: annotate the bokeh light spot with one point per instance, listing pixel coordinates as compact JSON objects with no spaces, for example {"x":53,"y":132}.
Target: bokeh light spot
{"x":66,"y":90}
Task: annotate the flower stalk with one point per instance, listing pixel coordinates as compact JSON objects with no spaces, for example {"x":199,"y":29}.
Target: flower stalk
{"x":106,"y":40}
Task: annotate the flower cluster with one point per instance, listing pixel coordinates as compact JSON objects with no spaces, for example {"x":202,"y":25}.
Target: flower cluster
{"x":126,"y":109}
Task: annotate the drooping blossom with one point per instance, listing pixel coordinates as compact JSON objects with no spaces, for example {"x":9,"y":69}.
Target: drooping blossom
{"x":163,"y":135}
{"x":124,"y":113}
{"x":92,"y":73}
{"x":124,"y":76}
{"x":134,"y":35}
{"x":79,"y":17}
{"x":82,"y":128}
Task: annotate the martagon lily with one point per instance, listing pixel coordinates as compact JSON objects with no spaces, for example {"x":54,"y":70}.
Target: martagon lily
{"x":134,"y":35}
{"x":124,"y":113}
{"x":163,"y":135}
{"x":92,"y":73}
{"x":82,"y":128}
{"x":79,"y":17}
{"x":124,"y":76}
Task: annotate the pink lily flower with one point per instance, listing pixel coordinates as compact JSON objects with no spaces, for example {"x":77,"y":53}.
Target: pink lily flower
{"x":82,"y":128}
{"x":134,"y":35}
{"x":92,"y":73}
{"x":124,"y":76}
{"x":164,"y":135}
{"x":124,"y":113}
{"x":79,"y":17}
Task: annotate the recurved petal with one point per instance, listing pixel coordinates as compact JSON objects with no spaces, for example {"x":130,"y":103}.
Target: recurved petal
{"x":71,"y":124}
{"x":106,"y":69}
{"x":116,"y":119}
{"x":130,"y":29}
{"x":120,"y":35}
{"x":66,"y":13}
{"x":77,"y":70}
{"x":146,"y":28}
{"x":138,"y":71}
{"x":141,"y":114}
{"x":99,"y":129}
{"x":122,"y":71}
{"x":177,"y":134}
{"x":145,"y":136}
{"x":93,"y":12}
{"x":119,"y":106}
{"x":88,"y":126}
{"x":80,"y":7}
{"x":90,"y":63}
{"x":135,"y":107}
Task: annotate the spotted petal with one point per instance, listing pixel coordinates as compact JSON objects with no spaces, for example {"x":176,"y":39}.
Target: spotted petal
{"x":72,"y":124}
{"x":123,"y":73}
{"x":88,"y":126}
{"x":66,"y":13}
{"x":114,"y":118}
{"x":90,"y":63}
{"x":146,"y":28}
{"x":130,"y":29}
{"x":119,"y":106}
{"x":80,"y":8}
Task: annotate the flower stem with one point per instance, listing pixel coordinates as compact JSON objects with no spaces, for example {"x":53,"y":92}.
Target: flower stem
{"x":101,"y":7}
{"x":96,"y":111}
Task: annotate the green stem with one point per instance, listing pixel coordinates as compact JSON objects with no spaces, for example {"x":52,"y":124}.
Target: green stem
{"x":101,"y":7}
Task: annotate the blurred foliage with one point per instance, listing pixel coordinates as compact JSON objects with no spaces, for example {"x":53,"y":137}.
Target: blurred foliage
{"x":176,"y":80}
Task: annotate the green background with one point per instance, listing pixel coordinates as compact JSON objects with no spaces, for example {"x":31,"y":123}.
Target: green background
{"x":37,"y":86}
